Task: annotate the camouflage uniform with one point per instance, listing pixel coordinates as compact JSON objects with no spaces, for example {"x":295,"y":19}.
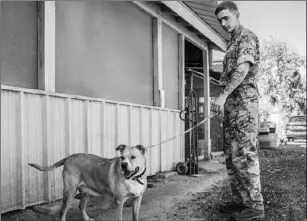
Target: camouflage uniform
{"x":241,"y":121}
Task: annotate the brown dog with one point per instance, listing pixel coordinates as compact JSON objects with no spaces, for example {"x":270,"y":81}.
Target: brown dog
{"x":121,"y":177}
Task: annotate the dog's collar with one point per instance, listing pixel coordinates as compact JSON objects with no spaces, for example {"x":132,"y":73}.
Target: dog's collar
{"x":137,"y":178}
{"x":134,"y":172}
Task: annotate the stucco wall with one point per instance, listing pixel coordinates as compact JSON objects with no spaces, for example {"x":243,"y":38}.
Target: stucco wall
{"x":19,"y":44}
{"x":170,"y":67}
{"x":104,"y":49}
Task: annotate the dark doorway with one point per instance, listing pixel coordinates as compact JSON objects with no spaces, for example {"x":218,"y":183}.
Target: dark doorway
{"x":194,"y":71}
{"x":194,"y":82}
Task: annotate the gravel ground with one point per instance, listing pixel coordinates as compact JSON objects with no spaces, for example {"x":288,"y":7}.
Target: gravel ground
{"x":283,"y":179}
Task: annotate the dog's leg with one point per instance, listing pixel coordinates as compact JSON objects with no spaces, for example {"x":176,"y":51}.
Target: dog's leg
{"x":119,"y":209}
{"x":82,"y":205}
{"x":136,"y":204}
{"x":68,"y":196}
{"x":69,"y":191}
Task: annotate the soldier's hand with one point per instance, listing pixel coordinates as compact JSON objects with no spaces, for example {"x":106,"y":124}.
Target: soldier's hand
{"x":214,"y":108}
{"x":217,"y":107}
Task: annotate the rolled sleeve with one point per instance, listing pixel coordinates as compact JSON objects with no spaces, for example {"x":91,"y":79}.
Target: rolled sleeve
{"x":246,"y":58}
{"x":247,"y":49}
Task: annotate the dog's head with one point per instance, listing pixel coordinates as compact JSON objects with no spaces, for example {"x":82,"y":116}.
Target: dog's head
{"x":133,"y":161}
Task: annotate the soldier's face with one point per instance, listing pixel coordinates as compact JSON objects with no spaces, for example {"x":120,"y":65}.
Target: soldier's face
{"x":228,"y":20}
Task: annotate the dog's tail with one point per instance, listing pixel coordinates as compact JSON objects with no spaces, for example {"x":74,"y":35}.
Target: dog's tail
{"x":41,"y":168}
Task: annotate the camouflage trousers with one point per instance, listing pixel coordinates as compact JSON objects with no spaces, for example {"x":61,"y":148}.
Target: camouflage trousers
{"x":240,"y":125}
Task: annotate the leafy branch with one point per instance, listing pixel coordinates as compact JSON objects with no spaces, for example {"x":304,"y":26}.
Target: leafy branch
{"x":283,"y":78}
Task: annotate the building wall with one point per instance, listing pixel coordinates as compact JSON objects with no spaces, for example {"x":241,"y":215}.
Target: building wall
{"x":170,"y":63}
{"x":104,"y":49}
{"x":19,"y":44}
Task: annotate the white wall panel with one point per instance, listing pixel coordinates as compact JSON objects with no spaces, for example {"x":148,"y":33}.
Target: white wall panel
{"x":44,"y":127}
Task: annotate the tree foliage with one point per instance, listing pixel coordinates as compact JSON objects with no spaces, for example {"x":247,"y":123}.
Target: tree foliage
{"x":283,"y":78}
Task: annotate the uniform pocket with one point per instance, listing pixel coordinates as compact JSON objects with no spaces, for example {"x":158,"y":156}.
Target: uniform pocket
{"x":247,"y":93}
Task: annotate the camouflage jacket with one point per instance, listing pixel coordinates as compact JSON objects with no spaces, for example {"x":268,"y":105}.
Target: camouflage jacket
{"x":242,"y":48}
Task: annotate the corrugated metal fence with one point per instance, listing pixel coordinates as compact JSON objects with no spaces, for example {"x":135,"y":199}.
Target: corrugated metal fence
{"x":42,"y":127}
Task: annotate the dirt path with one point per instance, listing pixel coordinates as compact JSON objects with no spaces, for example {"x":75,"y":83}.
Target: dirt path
{"x":164,"y":200}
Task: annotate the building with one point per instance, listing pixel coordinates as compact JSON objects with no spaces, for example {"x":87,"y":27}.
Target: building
{"x":86,"y":76}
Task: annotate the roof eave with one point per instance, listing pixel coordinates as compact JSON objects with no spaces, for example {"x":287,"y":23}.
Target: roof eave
{"x":189,"y":16}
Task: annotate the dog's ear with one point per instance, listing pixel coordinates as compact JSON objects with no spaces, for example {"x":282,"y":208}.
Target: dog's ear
{"x":141,"y":148}
{"x":121,"y":147}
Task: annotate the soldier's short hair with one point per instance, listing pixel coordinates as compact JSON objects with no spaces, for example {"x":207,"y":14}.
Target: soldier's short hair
{"x":230,"y":5}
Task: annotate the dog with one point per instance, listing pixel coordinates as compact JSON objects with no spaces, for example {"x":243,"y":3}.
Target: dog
{"x":121,"y":178}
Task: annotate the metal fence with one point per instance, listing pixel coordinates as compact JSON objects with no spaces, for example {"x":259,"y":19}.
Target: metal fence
{"x":43,"y":127}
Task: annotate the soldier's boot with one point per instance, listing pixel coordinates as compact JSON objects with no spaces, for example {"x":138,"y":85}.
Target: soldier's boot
{"x":248,"y":214}
{"x":231,"y":207}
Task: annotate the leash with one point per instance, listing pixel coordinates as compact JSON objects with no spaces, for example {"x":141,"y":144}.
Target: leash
{"x":187,"y":131}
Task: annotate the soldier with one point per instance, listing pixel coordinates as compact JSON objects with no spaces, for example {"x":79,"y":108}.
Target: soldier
{"x":238,"y":104}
